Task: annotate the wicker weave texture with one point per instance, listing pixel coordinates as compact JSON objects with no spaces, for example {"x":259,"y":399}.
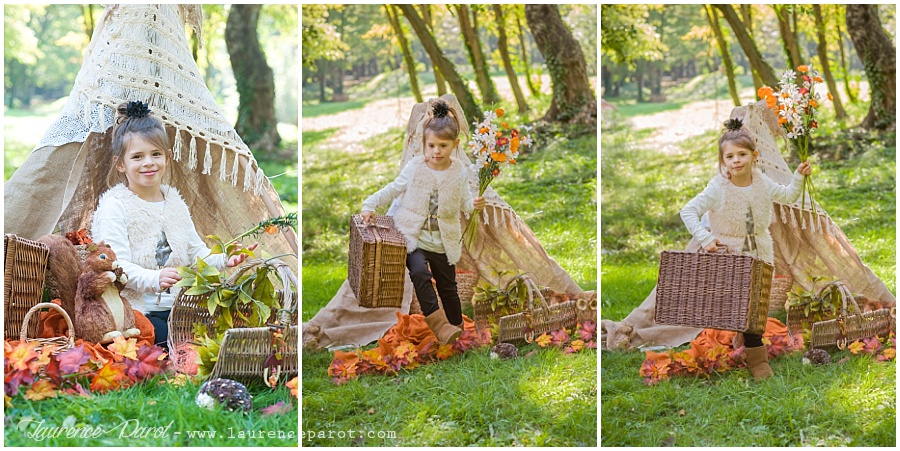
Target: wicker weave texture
{"x":243,"y":353}
{"x":465,"y":286}
{"x":23,"y":278}
{"x":377,"y":262}
{"x":778,"y":296}
{"x":717,"y":291}
{"x":852,"y":324}
{"x":524,"y":326}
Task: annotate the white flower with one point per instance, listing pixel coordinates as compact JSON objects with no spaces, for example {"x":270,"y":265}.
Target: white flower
{"x":525,"y":140}
{"x":788,"y":75}
{"x":489,"y":116}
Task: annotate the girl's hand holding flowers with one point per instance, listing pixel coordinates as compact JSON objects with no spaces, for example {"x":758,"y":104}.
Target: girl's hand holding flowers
{"x":479,"y":203}
{"x":805,"y":168}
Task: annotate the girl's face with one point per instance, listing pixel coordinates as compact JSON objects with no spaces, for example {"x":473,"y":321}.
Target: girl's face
{"x":143,"y":164}
{"x":738,"y":160}
{"x":438,"y":150}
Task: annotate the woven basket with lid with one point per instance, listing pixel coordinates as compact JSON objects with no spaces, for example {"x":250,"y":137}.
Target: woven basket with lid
{"x":377,"y":262}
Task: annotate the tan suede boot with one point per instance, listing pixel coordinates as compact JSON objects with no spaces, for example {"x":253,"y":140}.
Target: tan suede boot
{"x":445,"y":332}
{"x":758,"y":362}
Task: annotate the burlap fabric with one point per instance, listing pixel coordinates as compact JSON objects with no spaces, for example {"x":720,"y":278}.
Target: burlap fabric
{"x":504,"y":243}
{"x":804,"y":245}
{"x":140,"y":52}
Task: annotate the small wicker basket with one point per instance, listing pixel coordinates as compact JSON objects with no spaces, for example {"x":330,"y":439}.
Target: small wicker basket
{"x":465,"y":286}
{"x":61,"y":343}
{"x":23,"y":276}
{"x":244,"y":350}
{"x":376,"y":267}
{"x":533,"y":322}
{"x":778,"y":296}
{"x":486,"y":316}
{"x":849,"y":326}
{"x":713,"y":290}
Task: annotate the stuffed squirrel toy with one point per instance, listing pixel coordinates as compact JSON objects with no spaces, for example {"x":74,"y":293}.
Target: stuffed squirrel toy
{"x":101,"y":313}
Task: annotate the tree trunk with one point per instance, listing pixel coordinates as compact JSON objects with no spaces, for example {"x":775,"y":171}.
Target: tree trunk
{"x":507,"y":64}
{"x":759,"y":65}
{"x":438,"y":77}
{"x":606,"y":80}
{"x":845,"y":71}
{"x":337,"y":73}
{"x":534,"y":89}
{"x":825,"y":63}
{"x":320,"y":75}
{"x":788,"y":38}
{"x":88,"y":12}
{"x":713,"y":19}
{"x":457,"y":85}
{"x":573,"y":98}
{"x":746,"y":14}
{"x":409,"y":61}
{"x":476,"y":56}
{"x":639,"y":79}
{"x":879,"y":59}
{"x":256,"y":123}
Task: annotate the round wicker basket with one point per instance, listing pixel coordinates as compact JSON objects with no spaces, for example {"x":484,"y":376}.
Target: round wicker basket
{"x":61,"y":343}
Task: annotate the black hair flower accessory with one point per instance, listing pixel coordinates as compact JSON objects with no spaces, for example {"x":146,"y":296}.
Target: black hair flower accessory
{"x":137,"y":109}
{"x":733,"y":125}
{"x":440,"y":109}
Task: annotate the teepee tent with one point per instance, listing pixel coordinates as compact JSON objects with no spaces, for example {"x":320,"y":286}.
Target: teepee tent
{"x":140,"y":52}
{"x":505,"y":243}
{"x":806,"y":244}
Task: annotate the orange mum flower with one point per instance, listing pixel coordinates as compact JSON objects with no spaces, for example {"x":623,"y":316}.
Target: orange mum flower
{"x":771,"y":101}
{"x":813,"y":103}
{"x":817,"y":79}
{"x":499,"y":112}
{"x":271,"y":229}
{"x":782,"y":120}
{"x":483,"y":130}
{"x":803,"y":68}
{"x":514,"y":144}
{"x":497,"y":156}
{"x":764,"y":92}
{"x":830,"y":97}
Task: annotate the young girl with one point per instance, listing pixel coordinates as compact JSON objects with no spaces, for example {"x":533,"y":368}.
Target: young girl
{"x":432,"y":189}
{"x":739,"y":202}
{"x":147,"y":223}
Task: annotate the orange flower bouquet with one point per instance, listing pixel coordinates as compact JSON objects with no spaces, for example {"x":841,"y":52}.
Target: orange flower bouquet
{"x":796,"y":105}
{"x":492,"y":149}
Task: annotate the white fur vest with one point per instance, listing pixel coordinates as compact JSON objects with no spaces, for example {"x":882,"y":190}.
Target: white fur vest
{"x":144,"y":226}
{"x":742,"y":223}
{"x":414,"y":202}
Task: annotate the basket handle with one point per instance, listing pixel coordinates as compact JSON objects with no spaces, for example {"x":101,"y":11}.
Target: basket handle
{"x":845,"y":294}
{"x":288,"y":280}
{"x":23,"y":334}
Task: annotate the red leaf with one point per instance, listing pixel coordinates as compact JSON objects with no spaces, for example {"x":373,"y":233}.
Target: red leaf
{"x":587,"y":331}
{"x":278,"y":408}
{"x":14,"y":379}
{"x":150,"y":360}
{"x":78,"y":390}
{"x":52,"y":371}
{"x":70,"y":361}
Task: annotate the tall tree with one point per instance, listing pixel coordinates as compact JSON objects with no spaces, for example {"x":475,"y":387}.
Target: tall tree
{"x":747,"y":15}
{"x":788,"y":35}
{"x":759,"y":65}
{"x":507,"y":63}
{"x":408,"y":60}
{"x":438,"y":76}
{"x":844,"y":70}
{"x":824,"y":61}
{"x":256,"y":122}
{"x":879,"y":59}
{"x":532,"y":86}
{"x":457,"y":84}
{"x":713,"y":19}
{"x":476,"y":55}
{"x":573,"y":98}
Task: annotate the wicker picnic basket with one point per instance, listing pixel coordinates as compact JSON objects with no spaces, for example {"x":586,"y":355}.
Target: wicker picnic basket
{"x":849,"y":326}
{"x":61,"y":343}
{"x":244,"y":350}
{"x":713,"y":290}
{"x":465,"y":286}
{"x":23,"y":277}
{"x":486,"y":316}
{"x":778,"y":296}
{"x":532,"y":322}
{"x":377,"y":262}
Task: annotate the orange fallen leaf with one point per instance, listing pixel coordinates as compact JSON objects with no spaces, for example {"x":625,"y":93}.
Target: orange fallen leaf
{"x":107,"y":378}
{"x":41,"y":389}
{"x":124,"y":348}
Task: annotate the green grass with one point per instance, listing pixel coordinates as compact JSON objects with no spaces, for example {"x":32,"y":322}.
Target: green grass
{"x":546,"y":399}
{"x":853,"y":403}
{"x":154,"y":404}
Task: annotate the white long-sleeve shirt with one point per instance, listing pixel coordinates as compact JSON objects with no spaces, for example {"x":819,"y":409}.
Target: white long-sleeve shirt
{"x":110,"y":226}
{"x":712,"y":198}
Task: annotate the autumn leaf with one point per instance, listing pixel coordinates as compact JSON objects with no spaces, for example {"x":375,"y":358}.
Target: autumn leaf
{"x":23,"y":357}
{"x":292,"y":384}
{"x":856,"y":347}
{"x":41,"y":389}
{"x":122,"y":348}
{"x":52,"y":371}
{"x":444,"y":352}
{"x":15,"y":379}
{"x":340,"y":372}
{"x":872,"y":345}
{"x":78,"y":390}
{"x":108,"y":378}
{"x":375,"y":360}
{"x":149,"y":360}
{"x":888,"y":354}
{"x":278,"y":408}
{"x":70,"y":361}
{"x":587,"y":331}
{"x":467,"y":340}
{"x":577,"y":345}
{"x":559,"y":337}
{"x":543,"y":340}
{"x":46,"y":352}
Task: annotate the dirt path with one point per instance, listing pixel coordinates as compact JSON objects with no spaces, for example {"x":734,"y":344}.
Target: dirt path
{"x":674,"y":126}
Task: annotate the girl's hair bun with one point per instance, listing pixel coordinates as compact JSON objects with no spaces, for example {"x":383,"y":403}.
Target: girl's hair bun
{"x":440,"y":109}
{"x":733,"y":125}
{"x":137,"y":109}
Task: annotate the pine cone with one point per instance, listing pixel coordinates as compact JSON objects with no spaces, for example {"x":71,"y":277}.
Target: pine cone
{"x":229,"y":394}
